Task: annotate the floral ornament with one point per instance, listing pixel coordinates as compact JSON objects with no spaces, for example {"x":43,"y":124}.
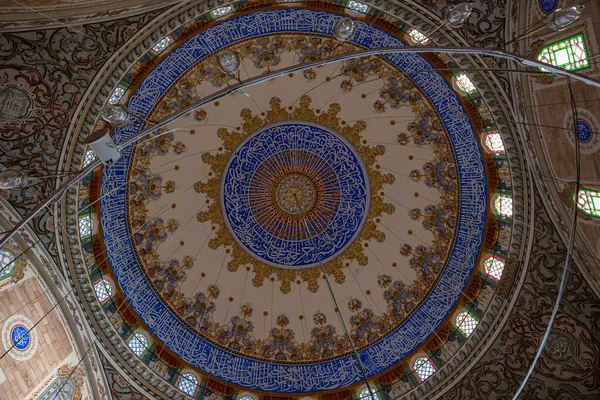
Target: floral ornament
{"x":405,"y":250}
{"x":415,"y":213}
{"x":354,"y":304}
{"x":384,"y":281}
{"x":303,"y":112}
{"x":246,"y":310}
{"x":213,"y":291}
{"x":283,"y":320}
{"x":319,"y":318}
{"x":309,"y":74}
{"x":200,"y":115}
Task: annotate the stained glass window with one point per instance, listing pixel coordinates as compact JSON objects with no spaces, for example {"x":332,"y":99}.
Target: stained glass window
{"x":493,"y":143}
{"x":464,"y":84}
{"x":88,"y":157}
{"x":246,"y":397}
{"x":417,"y":37}
{"x":588,"y":201}
{"x":138,"y":343}
{"x":162,"y":44}
{"x":365,"y":394}
{"x":188,"y":383}
{"x":7,"y":263}
{"x":103,"y":289}
{"x":569,"y":53}
{"x":116,"y":95}
{"x":423,"y":368}
{"x":493,"y":267}
{"x":503,"y":205}
{"x":85,"y":226}
{"x":465,"y":323}
{"x":356,"y":6}
{"x":219,"y":12}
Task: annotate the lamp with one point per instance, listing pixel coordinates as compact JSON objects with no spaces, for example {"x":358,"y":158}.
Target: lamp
{"x":458,"y":14}
{"x":229,"y":62}
{"x":13,"y":179}
{"x":565,"y":17}
{"x":344,"y":29}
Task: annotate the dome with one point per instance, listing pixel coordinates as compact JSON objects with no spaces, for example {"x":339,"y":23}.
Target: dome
{"x":288,"y":209}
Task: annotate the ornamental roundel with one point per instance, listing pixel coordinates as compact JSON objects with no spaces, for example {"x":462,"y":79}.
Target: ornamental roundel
{"x":296,"y":186}
{"x":18,"y":338}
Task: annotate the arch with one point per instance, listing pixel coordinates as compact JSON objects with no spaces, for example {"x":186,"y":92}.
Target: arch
{"x":493,"y":267}
{"x":188,"y":382}
{"x":423,"y":368}
{"x":138,"y":343}
{"x":569,"y":53}
{"x":465,"y":322}
{"x":365,"y":394}
{"x":88,"y":157}
{"x":588,"y":201}
{"x":463,"y":84}
{"x":104,"y":289}
{"x":416,"y":37}
{"x":64,"y":384}
{"x":492,"y":142}
{"x":86,"y":226}
{"x":502,"y":205}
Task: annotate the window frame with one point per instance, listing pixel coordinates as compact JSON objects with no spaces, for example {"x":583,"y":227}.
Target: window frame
{"x":497,"y":211}
{"x":415,"y":368}
{"x":594,"y":211}
{"x":459,"y":325}
{"x":488,"y":147}
{"x":182,"y":376}
{"x":111,"y":291}
{"x":484,"y":267}
{"x":459,"y":86}
{"x":145,"y":345}
{"x":551,"y":53}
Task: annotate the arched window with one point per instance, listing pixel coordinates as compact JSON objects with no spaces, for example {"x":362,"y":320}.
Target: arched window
{"x":493,"y":267}
{"x":357,"y":6}
{"x":417,"y":37}
{"x":88,"y":157}
{"x":493,"y":143}
{"x":103,"y":289}
{"x":221,"y":12}
{"x":138,"y":343}
{"x":588,"y":201}
{"x":503,"y":205}
{"x":85,"y":226}
{"x":465,"y":323}
{"x":162,"y":44}
{"x":246,"y":397}
{"x":365,"y":394}
{"x":423,"y":368}
{"x":569,"y":53}
{"x":116,"y":95}
{"x":463,"y":84}
{"x":7,"y":263}
{"x":188,"y":383}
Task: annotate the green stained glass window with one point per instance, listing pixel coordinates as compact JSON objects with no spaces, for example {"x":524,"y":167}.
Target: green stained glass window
{"x":588,"y":201}
{"x":493,"y":267}
{"x":569,"y":53}
{"x":463,"y":84}
{"x":188,"y":384}
{"x":138,"y":343}
{"x":423,"y":368}
{"x":365,"y":394}
{"x":502,"y":205}
{"x":465,"y":323}
{"x":7,"y":263}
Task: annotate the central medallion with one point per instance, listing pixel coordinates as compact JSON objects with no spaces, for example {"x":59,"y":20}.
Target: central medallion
{"x":294,"y":194}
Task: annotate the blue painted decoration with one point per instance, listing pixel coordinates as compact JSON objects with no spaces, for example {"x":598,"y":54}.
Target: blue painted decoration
{"x":285,"y":175}
{"x":548,"y":6}
{"x":584,"y":131}
{"x":20,"y":338}
{"x":306,"y":377}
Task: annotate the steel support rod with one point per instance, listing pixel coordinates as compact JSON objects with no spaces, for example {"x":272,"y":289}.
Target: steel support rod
{"x":526,"y":61}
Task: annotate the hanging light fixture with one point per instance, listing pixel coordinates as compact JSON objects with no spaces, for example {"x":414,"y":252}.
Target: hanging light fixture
{"x":344,"y":29}
{"x":458,"y":14}
{"x":229,"y":62}
{"x":116,"y":115}
{"x":13,"y":179}
{"x":104,"y":147}
{"x":562,"y":18}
